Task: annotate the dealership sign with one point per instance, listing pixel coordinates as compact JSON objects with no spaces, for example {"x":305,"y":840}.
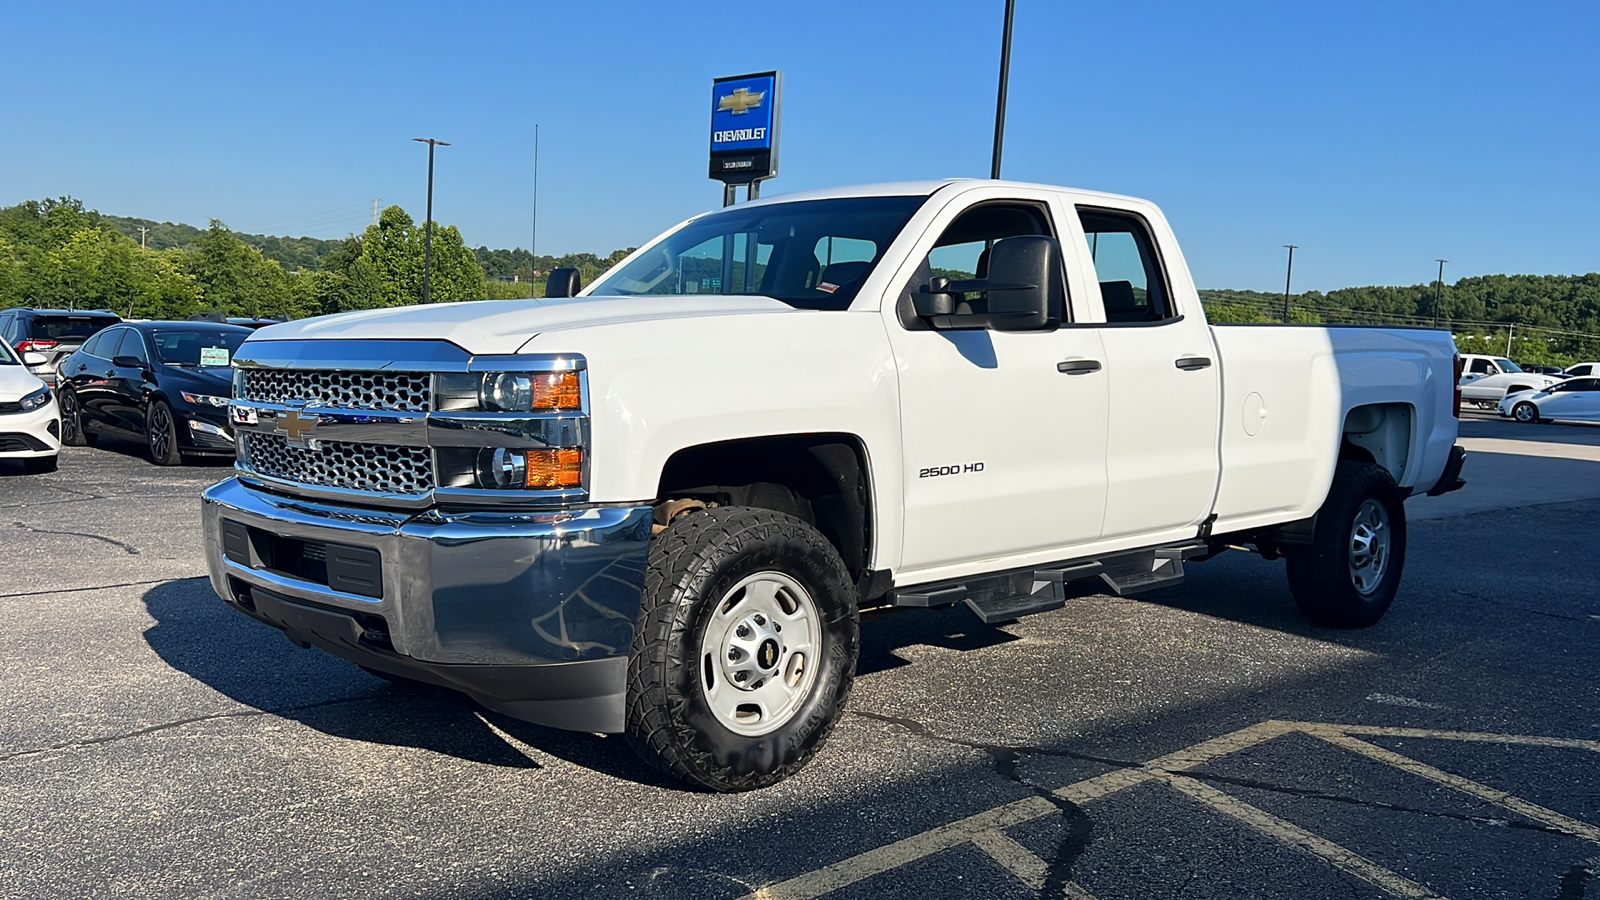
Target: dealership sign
{"x":745,"y":116}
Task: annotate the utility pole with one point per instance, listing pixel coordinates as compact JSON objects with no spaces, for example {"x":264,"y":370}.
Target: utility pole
{"x":1005,"y":78}
{"x":142,"y":231}
{"x":427,"y":245}
{"x":533,"y":239}
{"x":1287,"y":279}
{"x":375,"y":210}
{"x":1509,"y":335}
{"x":1438,"y":292}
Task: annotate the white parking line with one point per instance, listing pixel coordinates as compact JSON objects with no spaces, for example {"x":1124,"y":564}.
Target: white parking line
{"x":1498,"y":797}
{"x":985,"y":830}
{"x":1301,"y":839}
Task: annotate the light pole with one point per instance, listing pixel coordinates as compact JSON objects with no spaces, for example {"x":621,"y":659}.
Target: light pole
{"x":427,"y":242}
{"x":1005,"y":78}
{"x":1287,"y":279}
{"x":1438,"y":292}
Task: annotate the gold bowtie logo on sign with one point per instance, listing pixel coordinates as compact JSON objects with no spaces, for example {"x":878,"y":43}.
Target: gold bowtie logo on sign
{"x":296,"y":429}
{"x":741,"y":101}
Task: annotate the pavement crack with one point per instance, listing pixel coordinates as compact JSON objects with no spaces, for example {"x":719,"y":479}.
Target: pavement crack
{"x":1313,"y":794}
{"x":1078,"y":827}
{"x":1522,"y":609}
{"x":129,"y":548}
{"x":177,"y":723}
{"x":78,"y":590}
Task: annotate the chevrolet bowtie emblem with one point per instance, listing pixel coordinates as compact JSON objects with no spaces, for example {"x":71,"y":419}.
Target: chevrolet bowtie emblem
{"x":295,"y":428}
{"x":741,"y":101}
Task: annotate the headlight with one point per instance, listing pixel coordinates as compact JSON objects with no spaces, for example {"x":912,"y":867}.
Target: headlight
{"x":35,"y":400}
{"x":531,"y":392}
{"x":204,"y":399}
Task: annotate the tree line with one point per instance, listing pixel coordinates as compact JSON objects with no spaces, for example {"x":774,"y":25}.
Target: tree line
{"x":56,"y":252}
{"x":1546,"y":319}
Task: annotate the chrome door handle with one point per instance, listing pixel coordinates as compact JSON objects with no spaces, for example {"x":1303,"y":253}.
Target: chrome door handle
{"x":1078,"y":366}
{"x":1192,"y":363}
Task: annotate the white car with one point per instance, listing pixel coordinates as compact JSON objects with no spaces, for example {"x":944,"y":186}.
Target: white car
{"x":1487,"y":379}
{"x":1576,"y":399}
{"x":1583,"y":370}
{"x":30,"y":422}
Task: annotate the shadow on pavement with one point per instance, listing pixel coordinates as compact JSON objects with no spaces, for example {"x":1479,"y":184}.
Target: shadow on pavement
{"x":196,"y":633}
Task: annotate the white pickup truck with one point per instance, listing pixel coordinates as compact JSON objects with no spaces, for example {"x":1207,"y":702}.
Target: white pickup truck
{"x":659,"y":507}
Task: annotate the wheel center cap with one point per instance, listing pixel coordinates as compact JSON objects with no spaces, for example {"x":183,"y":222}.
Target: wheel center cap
{"x":767,"y":654}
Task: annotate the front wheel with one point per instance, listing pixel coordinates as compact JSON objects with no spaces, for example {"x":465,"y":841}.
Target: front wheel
{"x":1525,"y":412}
{"x":162,"y":429}
{"x":1348,"y":576}
{"x":71,"y":419}
{"x":745,"y":651}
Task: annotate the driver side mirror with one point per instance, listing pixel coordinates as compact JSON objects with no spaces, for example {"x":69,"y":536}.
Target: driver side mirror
{"x":563,"y":282}
{"x":127,"y":362}
{"x":32,"y":359}
{"x":1025,"y":290}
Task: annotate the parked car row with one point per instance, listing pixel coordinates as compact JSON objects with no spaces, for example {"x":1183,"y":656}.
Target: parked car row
{"x":71,"y":377}
{"x":165,"y":384}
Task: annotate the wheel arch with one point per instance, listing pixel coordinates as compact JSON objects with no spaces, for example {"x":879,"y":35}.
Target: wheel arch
{"x":1381,"y":433}
{"x":821,"y":478}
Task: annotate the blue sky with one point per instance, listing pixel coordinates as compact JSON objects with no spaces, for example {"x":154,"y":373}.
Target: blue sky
{"x":1377,"y":136}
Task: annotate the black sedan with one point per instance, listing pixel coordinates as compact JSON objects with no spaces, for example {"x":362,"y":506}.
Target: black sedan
{"x":163,"y":383}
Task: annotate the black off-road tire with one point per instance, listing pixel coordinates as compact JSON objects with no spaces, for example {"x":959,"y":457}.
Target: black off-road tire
{"x":692,"y":566}
{"x":71,"y":419}
{"x":40,"y":465}
{"x":161,"y":434}
{"x":1320,"y":576}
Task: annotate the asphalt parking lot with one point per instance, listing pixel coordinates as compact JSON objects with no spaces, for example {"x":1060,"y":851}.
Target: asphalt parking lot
{"x":1202,"y":741}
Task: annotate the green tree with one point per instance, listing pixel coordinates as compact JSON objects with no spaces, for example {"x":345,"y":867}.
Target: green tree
{"x":384,"y":267}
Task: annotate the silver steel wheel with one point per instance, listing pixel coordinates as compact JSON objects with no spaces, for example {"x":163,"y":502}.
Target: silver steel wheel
{"x":758,"y":654}
{"x":1369,"y":546}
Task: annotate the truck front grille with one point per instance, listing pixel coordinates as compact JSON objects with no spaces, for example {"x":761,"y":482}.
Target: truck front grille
{"x":337,"y":464}
{"x":396,"y":391}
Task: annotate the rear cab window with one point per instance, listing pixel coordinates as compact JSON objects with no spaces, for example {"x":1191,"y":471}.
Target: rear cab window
{"x":1133,"y":283}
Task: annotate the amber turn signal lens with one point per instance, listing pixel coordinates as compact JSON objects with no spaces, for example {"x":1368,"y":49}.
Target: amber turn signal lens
{"x":557,"y":391}
{"x":560,"y":468}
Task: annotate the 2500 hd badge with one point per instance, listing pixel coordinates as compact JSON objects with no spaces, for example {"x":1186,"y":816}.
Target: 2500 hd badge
{"x":958,"y":469}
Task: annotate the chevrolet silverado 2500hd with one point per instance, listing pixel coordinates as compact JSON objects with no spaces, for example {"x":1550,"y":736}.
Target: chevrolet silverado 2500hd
{"x":658,"y":508}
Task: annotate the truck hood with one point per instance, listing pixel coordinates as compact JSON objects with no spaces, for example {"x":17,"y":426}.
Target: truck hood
{"x":503,"y":326}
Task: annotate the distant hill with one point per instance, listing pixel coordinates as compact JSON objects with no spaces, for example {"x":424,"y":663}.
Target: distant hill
{"x":293,"y":253}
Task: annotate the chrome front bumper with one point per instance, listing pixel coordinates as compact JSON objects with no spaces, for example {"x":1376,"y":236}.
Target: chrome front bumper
{"x":531,"y":614}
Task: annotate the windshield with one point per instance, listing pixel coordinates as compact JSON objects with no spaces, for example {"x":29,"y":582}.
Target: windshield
{"x":1507,"y":365}
{"x":812,"y":254}
{"x":208,"y":347}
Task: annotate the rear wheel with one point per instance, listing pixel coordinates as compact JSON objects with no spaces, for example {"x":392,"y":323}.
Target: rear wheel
{"x":745,"y":650}
{"x":1525,"y":413}
{"x":1349,"y":575}
{"x":71,"y":419}
{"x":162,"y":432}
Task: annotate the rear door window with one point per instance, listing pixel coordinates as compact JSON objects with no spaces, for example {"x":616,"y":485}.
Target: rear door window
{"x":1133,"y":285}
